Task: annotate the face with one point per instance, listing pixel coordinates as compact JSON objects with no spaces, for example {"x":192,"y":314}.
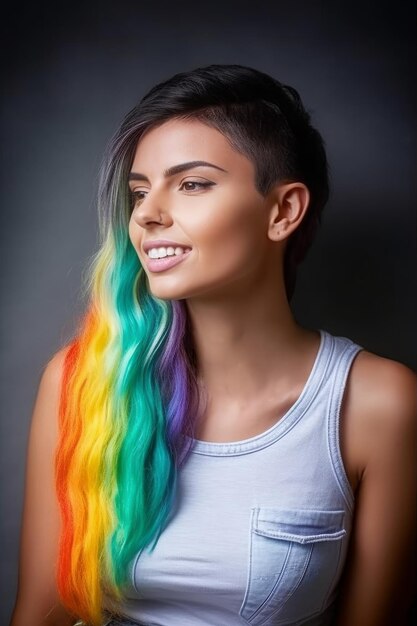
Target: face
{"x":212,"y":211}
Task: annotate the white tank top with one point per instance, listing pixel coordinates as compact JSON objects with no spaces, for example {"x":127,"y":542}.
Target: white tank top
{"x":261,"y":526}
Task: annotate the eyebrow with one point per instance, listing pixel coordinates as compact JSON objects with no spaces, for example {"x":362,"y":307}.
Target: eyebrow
{"x":176,"y":169}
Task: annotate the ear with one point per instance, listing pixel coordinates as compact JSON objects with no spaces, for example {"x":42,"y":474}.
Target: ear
{"x":289,"y":205}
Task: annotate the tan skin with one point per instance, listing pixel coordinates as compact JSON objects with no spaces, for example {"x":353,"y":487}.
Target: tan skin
{"x":254,"y":360}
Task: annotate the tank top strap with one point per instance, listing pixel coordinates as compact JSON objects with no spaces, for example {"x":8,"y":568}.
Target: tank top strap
{"x":344,"y":353}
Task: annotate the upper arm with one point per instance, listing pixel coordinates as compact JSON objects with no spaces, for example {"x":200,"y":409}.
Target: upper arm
{"x":37,"y":598}
{"x":379,"y":437}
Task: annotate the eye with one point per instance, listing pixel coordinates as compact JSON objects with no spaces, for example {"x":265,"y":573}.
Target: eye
{"x":194,"y":185}
{"x":136,"y":197}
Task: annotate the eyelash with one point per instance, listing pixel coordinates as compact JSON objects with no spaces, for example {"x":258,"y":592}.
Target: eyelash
{"x":135,"y":198}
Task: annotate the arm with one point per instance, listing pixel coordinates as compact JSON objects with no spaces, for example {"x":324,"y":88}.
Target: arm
{"x":379,"y":440}
{"x":37,"y":600}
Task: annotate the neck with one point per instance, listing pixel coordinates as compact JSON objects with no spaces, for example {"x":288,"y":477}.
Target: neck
{"x":246,"y":345}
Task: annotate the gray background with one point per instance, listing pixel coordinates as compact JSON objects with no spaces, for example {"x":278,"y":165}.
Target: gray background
{"x":71,"y":75}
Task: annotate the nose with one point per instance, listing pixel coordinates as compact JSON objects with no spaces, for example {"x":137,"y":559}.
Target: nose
{"x":150,"y":212}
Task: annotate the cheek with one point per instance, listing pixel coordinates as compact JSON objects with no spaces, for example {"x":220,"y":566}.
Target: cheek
{"x":230,"y":237}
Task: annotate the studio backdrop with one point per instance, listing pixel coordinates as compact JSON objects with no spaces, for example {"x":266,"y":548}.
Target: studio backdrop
{"x":74,"y":71}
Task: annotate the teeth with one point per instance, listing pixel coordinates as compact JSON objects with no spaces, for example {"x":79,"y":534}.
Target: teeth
{"x":160,"y":253}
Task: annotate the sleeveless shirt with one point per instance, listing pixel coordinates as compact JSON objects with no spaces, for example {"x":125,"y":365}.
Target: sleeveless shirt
{"x":260,"y":527}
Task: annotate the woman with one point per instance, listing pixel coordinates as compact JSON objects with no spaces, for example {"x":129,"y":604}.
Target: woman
{"x":215,"y":462}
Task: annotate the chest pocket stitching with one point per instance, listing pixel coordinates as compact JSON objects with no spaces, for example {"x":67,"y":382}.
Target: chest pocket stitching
{"x":301,"y":539}
{"x":302,"y":574}
{"x":287,"y":526}
{"x":325,"y":598}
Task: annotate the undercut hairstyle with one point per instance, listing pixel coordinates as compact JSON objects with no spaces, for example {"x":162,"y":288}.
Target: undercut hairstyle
{"x":263,"y":119}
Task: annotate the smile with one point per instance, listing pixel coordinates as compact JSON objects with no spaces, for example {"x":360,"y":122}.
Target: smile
{"x":165,"y":263}
{"x":158,"y":253}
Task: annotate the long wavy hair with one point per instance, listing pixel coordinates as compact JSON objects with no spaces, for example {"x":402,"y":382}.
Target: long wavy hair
{"x":129,"y":389}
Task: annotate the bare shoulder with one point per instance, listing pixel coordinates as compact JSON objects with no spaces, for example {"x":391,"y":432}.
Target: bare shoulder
{"x":383,"y":390}
{"x":47,"y":401}
{"x":55,"y":365}
{"x":379,"y":410}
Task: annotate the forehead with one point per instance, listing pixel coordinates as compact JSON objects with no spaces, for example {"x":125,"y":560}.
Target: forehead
{"x":177,"y":141}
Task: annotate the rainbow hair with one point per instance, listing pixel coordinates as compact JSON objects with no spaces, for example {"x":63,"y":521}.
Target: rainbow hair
{"x":126,"y":400}
{"x":129,"y":393}
{"x":130,"y":387}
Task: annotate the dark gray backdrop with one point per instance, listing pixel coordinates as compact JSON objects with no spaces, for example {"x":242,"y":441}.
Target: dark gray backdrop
{"x":70,"y":77}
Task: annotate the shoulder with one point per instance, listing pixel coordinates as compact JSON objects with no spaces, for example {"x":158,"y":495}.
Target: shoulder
{"x":54,"y":367}
{"x":383,"y":389}
{"x":56,"y":362}
{"x":380,"y":408}
{"x":49,"y":389}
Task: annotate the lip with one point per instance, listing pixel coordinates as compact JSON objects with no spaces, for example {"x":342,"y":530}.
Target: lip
{"x":160,"y":265}
{"x":158,"y":243}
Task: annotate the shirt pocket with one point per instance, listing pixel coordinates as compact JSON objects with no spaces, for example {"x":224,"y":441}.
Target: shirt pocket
{"x":293,"y":564}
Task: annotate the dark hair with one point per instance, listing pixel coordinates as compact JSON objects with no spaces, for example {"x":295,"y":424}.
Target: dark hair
{"x":263,"y":119}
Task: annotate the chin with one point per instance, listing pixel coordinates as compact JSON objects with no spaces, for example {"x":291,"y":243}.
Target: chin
{"x":166,"y":292}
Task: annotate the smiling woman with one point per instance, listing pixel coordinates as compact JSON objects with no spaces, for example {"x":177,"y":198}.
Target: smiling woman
{"x":205,"y":459}
{"x":222,"y":220}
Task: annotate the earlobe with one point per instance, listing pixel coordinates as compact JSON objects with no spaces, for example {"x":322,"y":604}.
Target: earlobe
{"x":291,"y":202}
